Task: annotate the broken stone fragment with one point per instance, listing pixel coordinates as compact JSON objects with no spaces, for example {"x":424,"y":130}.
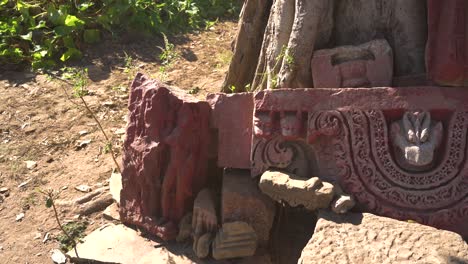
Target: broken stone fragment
{"x":204,"y":213}
{"x":235,"y":240}
{"x":185,"y":228}
{"x":342,"y":204}
{"x":201,"y":245}
{"x":312,"y":193}
{"x":241,"y":200}
{"x":367,"y":238}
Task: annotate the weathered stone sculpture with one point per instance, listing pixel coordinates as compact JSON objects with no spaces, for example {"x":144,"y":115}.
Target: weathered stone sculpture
{"x":447,"y":45}
{"x":311,"y":193}
{"x":165,"y":156}
{"x":366,"y":65}
{"x":416,"y":172}
{"x":415,"y":139}
{"x":241,"y":200}
{"x":234,"y":240}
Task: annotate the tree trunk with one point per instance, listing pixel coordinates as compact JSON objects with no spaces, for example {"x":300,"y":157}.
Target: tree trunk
{"x":277,"y":38}
{"x":252,"y":23}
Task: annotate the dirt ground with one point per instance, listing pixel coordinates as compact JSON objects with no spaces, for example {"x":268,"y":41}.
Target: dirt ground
{"x":41,"y":122}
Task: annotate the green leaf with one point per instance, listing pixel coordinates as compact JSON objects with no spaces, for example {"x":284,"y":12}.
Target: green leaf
{"x":91,"y":35}
{"x":62,"y":30}
{"x":57,"y":17}
{"x":73,"y":21}
{"x":49,"y":202}
{"x":71,"y":53}
{"x":42,"y":24}
{"x":68,"y":42}
{"x":84,"y":6}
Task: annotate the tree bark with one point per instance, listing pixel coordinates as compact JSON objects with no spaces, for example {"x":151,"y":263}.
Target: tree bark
{"x":248,"y":43}
{"x":277,"y":38}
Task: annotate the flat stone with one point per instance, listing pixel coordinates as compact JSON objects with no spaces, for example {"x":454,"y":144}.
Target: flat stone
{"x":112,"y":213}
{"x":366,"y":65}
{"x":367,"y":238}
{"x":118,"y":243}
{"x":115,"y":186}
{"x":30,"y":164}
{"x":311,"y":193}
{"x":232,"y":115}
{"x":58,"y":257}
{"x":256,"y":209}
{"x":4,"y":190}
{"x":234,"y":240}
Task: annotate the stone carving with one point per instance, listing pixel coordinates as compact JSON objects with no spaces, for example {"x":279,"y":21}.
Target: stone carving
{"x":367,"y":238}
{"x":256,"y":209}
{"x":263,"y":124}
{"x":415,"y":139}
{"x":437,"y":197}
{"x":201,"y":245}
{"x":366,"y":65}
{"x":164,"y":156}
{"x":311,"y":193}
{"x":393,"y":160}
{"x":291,"y":124}
{"x":204,"y":218}
{"x":279,"y":153}
{"x":447,"y":45}
{"x":234,"y":240}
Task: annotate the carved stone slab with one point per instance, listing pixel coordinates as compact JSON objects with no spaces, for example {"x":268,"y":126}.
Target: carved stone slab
{"x":164,"y":156}
{"x":401,"y":152}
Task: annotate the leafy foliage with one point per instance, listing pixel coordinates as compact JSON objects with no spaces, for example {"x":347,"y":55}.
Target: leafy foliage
{"x":44,"y":32}
{"x":75,"y":230}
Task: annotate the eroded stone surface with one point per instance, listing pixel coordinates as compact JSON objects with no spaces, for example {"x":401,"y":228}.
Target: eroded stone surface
{"x":235,"y":240}
{"x":367,"y":238}
{"x":311,"y":193}
{"x":202,"y":244}
{"x":243,"y":201}
{"x":204,"y":213}
{"x":447,"y":46}
{"x":366,"y":65}
{"x":120,"y":244}
{"x":232,"y":118}
{"x":164,"y":156}
{"x":347,"y":135}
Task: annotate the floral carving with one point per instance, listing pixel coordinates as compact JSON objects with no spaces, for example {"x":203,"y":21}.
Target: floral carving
{"x":438,"y":196}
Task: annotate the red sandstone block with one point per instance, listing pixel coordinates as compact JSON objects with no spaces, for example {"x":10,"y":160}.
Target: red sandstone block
{"x":164,"y":155}
{"x":447,"y":45}
{"x":242,"y":200}
{"x":232,"y":115}
{"x":366,"y":65}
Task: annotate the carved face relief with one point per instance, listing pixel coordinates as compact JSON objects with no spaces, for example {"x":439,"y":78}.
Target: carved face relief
{"x":263,"y":124}
{"x":415,"y":139}
{"x":290,"y":125}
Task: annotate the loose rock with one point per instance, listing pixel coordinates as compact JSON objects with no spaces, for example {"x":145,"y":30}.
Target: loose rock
{"x":58,"y":257}
{"x":83,"y":188}
{"x":30,"y":164}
